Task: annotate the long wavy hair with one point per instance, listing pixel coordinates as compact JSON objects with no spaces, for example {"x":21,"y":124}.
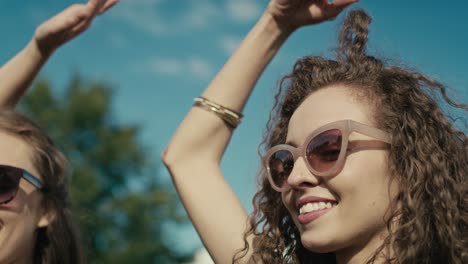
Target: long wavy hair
{"x":428,"y":157}
{"x":58,"y":242}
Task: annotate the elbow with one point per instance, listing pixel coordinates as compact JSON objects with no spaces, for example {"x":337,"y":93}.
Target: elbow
{"x":175,"y":159}
{"x":171,"y":156}
{"x":167,"y":158}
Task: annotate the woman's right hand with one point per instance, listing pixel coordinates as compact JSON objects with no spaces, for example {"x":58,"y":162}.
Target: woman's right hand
{"x":19,"y":72}
{"x":194,"y":154}
{"x":68,"y":24}
{"x":293,"y":14}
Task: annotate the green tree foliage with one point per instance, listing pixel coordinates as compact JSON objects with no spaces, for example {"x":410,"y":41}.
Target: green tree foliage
{"x":118,"y":225}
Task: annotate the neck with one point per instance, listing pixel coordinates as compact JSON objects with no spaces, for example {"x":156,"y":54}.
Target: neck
{"x":362,"y":253}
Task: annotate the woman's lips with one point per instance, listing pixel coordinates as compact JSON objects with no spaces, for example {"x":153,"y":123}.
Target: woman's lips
{"x":310,"y":208}
{"x":312,"y":216}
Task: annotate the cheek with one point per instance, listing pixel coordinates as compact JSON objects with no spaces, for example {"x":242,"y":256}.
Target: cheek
{"x":365,"y":171}
{"x":287,"y":199}
{"x":17,"y":234}
{"x":364,"y":184}
{"x":18,"y":221}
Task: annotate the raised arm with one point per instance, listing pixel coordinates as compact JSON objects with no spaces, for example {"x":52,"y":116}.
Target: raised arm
{"x":194,"y":153}
{"x":19,"y":72}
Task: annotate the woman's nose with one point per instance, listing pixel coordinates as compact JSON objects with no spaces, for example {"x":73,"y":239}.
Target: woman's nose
{"x":301,"y":177}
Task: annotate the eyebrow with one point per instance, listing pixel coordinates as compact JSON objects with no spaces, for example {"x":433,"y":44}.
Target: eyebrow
{"x":291,"y":143}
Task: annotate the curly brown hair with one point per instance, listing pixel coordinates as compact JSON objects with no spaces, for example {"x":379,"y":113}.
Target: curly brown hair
{"x":428,"y":157}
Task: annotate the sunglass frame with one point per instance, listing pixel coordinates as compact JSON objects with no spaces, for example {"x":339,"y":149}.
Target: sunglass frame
{"x":346,"y":127}
{"x":35,"y":181}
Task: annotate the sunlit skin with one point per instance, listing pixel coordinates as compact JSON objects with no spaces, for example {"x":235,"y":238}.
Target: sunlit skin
{"x":68,"y":24}
{"x":20,"y":218}
{"x":18,"y":73}
{"x":355,"y":227}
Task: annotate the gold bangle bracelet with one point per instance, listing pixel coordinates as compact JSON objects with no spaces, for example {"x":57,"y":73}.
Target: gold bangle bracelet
{"x":230,"y":117}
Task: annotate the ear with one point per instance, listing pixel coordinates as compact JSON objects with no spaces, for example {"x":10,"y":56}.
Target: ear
{"x":46,"y":219}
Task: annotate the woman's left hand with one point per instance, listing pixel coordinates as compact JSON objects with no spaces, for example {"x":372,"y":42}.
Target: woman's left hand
{"x":68,"y":24}
{"x":293,"y":14}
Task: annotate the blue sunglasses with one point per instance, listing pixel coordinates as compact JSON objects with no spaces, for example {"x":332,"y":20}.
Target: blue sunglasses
{"x":9,"y":182}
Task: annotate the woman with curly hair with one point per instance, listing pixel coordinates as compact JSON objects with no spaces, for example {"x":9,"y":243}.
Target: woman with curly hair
{"x":36,"y":224}
{"x":360,"y":163}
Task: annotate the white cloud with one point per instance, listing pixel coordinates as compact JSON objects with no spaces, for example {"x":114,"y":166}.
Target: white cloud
{"x":142,"y":14}
{"x":166,"y":66}
{"x":229,"y":44}
{"x":151,"y":15}
{"x":147,"y":15}
{"x":243,"y":10}
{"x":196,"y":67}
{"x":200,"y":15}
{"x":200,"y":67}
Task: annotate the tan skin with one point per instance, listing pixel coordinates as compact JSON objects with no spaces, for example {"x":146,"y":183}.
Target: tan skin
{"x":20,"y":217}
{"x":304,"y":12}
{"x":68,"y":24}
{"x":213,"y":207}
{"x":17,"y":74}
{"x":362,"y":190}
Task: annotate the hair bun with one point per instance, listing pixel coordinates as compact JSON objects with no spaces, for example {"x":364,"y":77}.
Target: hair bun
{"x":354,"y":35}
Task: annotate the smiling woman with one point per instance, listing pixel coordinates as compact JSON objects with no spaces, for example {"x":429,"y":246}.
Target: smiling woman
{"x":361,"y":165}
{"x":36,"y":224}
{"x":35,"y":220}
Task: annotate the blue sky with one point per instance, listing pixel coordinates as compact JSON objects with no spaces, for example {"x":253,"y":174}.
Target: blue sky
{"x":160,"y":54}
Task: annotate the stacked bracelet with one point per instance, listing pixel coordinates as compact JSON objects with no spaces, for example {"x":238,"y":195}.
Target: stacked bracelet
{"x":230,"y":117}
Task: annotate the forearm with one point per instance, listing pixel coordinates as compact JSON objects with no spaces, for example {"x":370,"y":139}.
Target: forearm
{"x":195,"y":151}
{"x":230,"y":88}
{"x":18,"y":73}
{"x":234,"y":83}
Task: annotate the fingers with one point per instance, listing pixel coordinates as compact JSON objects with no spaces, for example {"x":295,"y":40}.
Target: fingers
{"x":77,"y":17}
{"x":95,"y":5}
{"x":65,"y":20}
{"x":98,"y":7}
{"x":68,"y":24}
{"x":108,"y":5}
{"x":342,"y":3}
{"x":286,"y":2}
{"x":78,"y":29}
{"x":337,"y":7}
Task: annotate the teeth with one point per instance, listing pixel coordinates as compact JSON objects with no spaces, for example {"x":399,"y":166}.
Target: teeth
{"x":310,"y":207}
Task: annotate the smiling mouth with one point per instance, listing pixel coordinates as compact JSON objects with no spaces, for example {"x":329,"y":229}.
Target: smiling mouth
{"x":315,"y":206}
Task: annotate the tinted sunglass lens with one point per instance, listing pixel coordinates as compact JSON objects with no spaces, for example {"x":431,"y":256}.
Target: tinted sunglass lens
{"x":281,"y":164}
{"x":9,"y":181}
{"x":324,"y":149}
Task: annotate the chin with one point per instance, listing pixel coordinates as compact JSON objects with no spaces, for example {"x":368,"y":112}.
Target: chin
{"x":317,"y":245}
{"x":319,"y":248}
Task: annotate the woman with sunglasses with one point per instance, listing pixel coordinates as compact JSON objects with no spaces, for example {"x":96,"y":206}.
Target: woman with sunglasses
{"x":35,"y":220}
{"x":361,"y":166}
